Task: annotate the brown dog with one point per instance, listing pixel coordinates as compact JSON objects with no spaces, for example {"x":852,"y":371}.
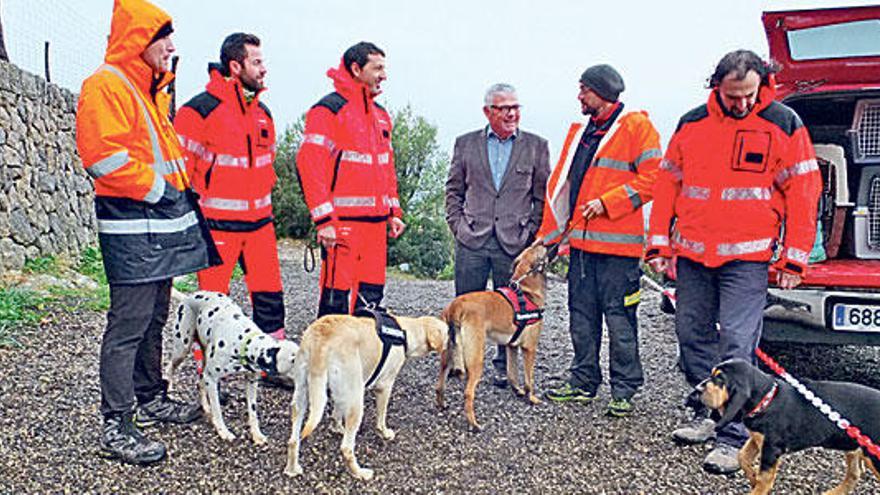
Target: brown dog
{"x":340,"y":353}
{"x":477,"y":316}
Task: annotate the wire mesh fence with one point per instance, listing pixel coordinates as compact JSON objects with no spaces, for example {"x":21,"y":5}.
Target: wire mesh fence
{"x":55,"y":39}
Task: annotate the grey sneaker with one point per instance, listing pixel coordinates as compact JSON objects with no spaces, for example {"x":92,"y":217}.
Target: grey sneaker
{"x":121,"y":440}
{"x":700,"y":430}
{"x":162,"y":409}
{"x":722,"y":459}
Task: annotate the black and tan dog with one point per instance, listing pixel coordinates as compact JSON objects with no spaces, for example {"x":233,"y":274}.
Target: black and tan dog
{"x":780,"y":420}
{"x":477,"y":316}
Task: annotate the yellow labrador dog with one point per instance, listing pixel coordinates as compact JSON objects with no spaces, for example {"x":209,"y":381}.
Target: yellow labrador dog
{"x":342,"y":353}
{"x":477,"y":316}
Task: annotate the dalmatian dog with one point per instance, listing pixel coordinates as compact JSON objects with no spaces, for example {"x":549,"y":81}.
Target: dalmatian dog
{"x":232,"y":343}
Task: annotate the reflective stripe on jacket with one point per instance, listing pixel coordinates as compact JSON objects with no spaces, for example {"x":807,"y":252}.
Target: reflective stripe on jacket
{"x":621,"y":175}
{"x":147,"y":227}
{"x":229,"y":146}
{"x":345,"y":162}
{"x":732,"y":183}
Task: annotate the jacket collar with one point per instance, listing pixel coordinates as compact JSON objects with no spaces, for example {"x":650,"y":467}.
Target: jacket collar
{"x":352,"y":90}
{"x":227,"y":88}
{"x":766,"y":95}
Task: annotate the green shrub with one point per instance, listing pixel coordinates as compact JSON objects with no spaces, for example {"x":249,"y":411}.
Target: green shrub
{"x":18,"y":307}
{"x":45,"y":264}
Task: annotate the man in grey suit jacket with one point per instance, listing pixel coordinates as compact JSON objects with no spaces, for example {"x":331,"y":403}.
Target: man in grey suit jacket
{"x":495,"y":198}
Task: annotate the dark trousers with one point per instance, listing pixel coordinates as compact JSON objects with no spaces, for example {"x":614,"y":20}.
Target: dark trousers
{"x":472,"y":269}
{"x":733,"y":295}
{"x":131,"y":351}
{"x":602,"y":285}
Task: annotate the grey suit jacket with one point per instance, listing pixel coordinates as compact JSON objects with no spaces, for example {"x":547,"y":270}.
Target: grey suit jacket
{"x":474,"y":208}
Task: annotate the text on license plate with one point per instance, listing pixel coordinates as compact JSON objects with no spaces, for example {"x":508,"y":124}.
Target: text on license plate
{"x":856,"y":317}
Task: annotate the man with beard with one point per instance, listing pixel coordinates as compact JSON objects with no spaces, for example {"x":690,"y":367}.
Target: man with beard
{"x":346,"y":165}
{"x":229,"y":141}
{"x":595,"y":194}
{"x":738,"y":169}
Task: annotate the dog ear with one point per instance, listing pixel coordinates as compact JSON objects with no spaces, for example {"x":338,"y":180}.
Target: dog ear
{"x":739,"y":389}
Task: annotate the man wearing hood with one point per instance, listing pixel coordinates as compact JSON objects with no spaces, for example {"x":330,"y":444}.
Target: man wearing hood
{"x":739,"y":170}
{"x":148,"y":228}
{"x":346,"y":167}
{"x":229,"y":144}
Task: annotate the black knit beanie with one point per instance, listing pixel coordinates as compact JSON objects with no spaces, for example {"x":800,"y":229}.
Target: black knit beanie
{"x":604,"y":81}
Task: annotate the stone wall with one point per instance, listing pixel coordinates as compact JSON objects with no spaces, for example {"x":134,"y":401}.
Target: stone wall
{"x":46,"y":197}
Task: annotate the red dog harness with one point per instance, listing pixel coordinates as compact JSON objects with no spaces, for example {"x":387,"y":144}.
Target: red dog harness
{"x":525,"y":312}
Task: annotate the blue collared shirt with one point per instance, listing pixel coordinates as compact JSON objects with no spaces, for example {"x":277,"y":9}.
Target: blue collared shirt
{"x":499,"y":154}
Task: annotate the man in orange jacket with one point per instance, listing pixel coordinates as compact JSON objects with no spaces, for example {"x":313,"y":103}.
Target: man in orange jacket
{"x":738,"y":169}
{"x":346,"y":168}
{"x":148,"y":225}
{"x":604,"y":175}
{"x":229,"y":144}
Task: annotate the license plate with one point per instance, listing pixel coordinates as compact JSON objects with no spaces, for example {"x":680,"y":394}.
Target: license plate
{"x":856,"y":317}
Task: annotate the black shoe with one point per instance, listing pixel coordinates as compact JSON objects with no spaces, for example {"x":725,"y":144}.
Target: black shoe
{"x":162,"y":409}
{"x":124,"y":442}
{"x":500,"y":379}
{"x":276,"y":381}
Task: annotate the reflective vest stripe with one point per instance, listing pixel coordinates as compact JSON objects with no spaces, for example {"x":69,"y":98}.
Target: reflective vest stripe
{"x":263,"y":202}
{"x":609,"y":237}
{"x":151,"y":130}
{"x":196,"y":148}
{"x":319,"y":140}
{"x":157,"y":190}
{"x":672,"y":168}
{"x":633,"y":195}
{"x":148,"y":225}
{"x":798,"y":255}
{"x":647,"y":155}
{"x":108,"y":165}
{"x":354,"y":156}
{"x":695,"y":192}
{"x":321,"y":210}
{"x":746,"y":247}
{"x":225,"y":204}
{"x":232,"y":161}
{"x":746,"y":193}
{"x":354,"y":201}
{"x":694,"y":246}
{"x":384,"y":158}
{"x":263,"y":160}
{"x":659,"y":240}
{"x":799,"y":168}
{"x":613,"y":164}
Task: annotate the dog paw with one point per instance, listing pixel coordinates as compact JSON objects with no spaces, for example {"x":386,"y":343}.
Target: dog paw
{"x":519,"y":391}
{"x":534,"y":399}
{"x":387,"y":434}
{"x":226,"y":435}
{"x":364,"y":474}
{"x":294,"y":470}
{"x":259,"y":438}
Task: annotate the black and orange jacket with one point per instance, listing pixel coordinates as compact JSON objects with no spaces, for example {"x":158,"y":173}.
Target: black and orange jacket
{"x":147,"y":227}
{"x":731,"y":184}
{"x":621,"y":175}
{"x":345,"y":162}
{"x":229,"y":146}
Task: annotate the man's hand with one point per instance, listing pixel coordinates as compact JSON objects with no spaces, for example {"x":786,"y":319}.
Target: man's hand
{"x":659,"y":264}
{"x":327,"y":236}
{"x":594,"y":209}
{"x":787,"y":280}
{"x":397,"y":227}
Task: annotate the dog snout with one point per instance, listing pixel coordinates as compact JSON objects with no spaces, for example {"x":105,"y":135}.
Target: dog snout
{"x":701,"y":387}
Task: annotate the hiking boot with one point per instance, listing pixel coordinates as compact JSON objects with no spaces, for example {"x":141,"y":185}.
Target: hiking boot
{"x":722,"y":459}
{"x":620,"y":408}
{"x":162,"y":409}
{"x":569,"y":393}
{"x":700,"y":430}
{"x":123,"y":441}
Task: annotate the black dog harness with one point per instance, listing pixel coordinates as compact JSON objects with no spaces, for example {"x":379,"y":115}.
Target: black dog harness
{"x":389,"y":333}
{"x":525,"y":312}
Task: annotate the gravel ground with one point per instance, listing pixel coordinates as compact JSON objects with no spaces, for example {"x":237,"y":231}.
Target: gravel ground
{"x":49,"y":421}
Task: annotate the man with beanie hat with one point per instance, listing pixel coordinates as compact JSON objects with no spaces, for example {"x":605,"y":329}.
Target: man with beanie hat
{"x":148,"y":227}
{"x":595,"y":195}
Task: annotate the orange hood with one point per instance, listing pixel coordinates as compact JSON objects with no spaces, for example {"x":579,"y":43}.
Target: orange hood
{"x":134,"y":24}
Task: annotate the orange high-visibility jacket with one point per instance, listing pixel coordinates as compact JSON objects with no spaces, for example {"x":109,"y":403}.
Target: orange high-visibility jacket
{"x":730,"y":184}
{"x":229,"y":146}
{"x":147,"y":227}
{"x":621,"y":175}
{"x":345,"y":162}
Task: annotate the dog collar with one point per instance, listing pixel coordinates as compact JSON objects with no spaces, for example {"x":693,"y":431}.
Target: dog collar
{"x":765,"y":402}
{"x":242,"y":349}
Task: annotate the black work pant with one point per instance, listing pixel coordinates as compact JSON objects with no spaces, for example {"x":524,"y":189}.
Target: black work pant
{"x":472,"y":269}
{"x":131,"y":350}
{"x":602,"y":285}
{"x":734,"y":296}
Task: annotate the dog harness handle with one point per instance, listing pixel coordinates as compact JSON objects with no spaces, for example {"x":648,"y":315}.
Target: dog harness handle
{"x":389,"y":333}
{"x":525,"y":312}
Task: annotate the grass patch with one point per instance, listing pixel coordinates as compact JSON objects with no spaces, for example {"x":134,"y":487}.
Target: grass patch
{"x":45,"y":264}
{"x":18,"y":307}
{"x":187,"y":283}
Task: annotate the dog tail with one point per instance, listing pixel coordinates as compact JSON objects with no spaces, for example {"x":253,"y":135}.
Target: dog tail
{"x":300,"y":390}
{"x":317,"y":389}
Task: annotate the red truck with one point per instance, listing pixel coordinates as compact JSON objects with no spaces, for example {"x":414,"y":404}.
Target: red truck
{"x":830,"y":75}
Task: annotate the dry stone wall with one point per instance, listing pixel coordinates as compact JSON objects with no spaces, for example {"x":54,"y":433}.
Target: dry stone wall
{"x":46,"y":198}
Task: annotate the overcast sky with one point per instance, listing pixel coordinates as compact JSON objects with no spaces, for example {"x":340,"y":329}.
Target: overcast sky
{"x":442,"y":55}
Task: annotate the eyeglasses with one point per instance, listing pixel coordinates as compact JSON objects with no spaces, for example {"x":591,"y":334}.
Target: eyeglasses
{"x":506,"y":109}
